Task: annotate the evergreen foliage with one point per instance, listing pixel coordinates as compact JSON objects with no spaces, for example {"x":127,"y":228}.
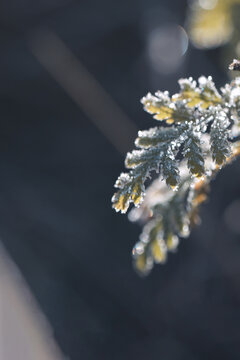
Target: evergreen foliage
{"x":197,"y":134}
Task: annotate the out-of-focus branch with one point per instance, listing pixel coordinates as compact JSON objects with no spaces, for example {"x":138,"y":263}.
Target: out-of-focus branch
{"x":83,"y":88}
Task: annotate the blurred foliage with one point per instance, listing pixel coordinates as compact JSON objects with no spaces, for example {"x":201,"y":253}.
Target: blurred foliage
{"x":198,"y":134}
{"x":211,"y":22}
{"x":214,"y":23}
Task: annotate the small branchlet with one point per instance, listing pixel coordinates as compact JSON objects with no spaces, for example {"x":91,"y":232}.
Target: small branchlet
{"x":235,"y":65}
{"x":193,"y":141}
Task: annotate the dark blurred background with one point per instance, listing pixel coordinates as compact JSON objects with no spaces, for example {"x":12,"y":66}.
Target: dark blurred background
{"x":59,"y":157}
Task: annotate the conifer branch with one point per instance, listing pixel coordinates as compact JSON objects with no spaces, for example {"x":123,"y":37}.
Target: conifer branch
{"x":194,"y":140}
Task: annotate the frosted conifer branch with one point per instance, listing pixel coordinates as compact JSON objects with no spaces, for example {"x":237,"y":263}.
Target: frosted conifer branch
{"x":193,"y":141}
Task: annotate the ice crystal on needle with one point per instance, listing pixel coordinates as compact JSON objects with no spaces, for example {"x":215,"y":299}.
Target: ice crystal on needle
{"x":194,"y":139}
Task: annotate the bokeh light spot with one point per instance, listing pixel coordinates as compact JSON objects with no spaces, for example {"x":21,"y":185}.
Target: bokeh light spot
{"x":166,"y":47}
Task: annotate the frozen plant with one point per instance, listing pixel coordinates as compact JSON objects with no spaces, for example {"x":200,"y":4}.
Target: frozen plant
{"x":198,"y":133}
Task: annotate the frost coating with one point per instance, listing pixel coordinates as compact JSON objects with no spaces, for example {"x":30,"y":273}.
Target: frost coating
{"x":196,"y":136}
